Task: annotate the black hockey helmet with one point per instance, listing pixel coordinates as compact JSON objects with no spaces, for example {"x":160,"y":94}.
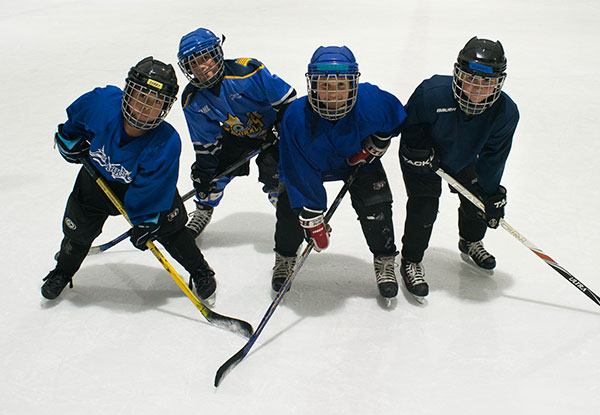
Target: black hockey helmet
{"x":479,"y":74}
{"x":482,"y":57}
{"x":150,"y":87}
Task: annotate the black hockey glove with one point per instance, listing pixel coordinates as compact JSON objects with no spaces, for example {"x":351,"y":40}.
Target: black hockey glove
{"x":142,"y":233}
{"x":203,"y":183}
{"x":374,"y":147}
{"x":71,"y":149}
{"x":494,"y":207}
{"x":419,"y":160}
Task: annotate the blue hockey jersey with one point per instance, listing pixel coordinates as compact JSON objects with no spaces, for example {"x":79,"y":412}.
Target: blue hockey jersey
{"x":245,"y":104}
{"x":149,"y":164}
{"x":460,"y":141}
{"x":314,"y":150}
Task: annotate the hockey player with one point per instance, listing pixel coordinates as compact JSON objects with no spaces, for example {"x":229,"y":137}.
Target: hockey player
{"x":231,"y":107}
{"x":124,"y":136}
{"x":323,"y":135}
{"x":465,"y":123}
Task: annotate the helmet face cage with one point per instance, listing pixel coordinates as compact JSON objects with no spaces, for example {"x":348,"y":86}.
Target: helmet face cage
{"x":204,"y":67}
{"x":475,"y":93}
{"x":144,"y":107}
{"x":332,"y":96}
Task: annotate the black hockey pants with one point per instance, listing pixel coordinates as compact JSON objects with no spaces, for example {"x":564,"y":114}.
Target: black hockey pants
{"x":88,"y":208}
{"x":424,"y":191}
{"x":372,"y":201}
{"x":234,"y":148}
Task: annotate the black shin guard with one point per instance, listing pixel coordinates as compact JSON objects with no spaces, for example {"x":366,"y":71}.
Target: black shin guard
{"x":378,"y":228}
{"x":421,"y":213}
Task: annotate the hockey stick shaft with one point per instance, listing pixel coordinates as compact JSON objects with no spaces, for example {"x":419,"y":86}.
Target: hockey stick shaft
{"x":237,"y":358}
{"x":105,"y":246}
{"x":537,"y":251}
{"x":238,"y":326}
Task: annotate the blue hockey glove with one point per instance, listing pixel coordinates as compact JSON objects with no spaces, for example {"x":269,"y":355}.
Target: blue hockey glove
{"x":71,"y":149}
{"x":142,"y":233}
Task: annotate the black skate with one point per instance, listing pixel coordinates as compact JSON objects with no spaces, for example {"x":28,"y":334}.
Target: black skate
{"x":413,"y":275}
{"x":475,"y":253}
{"x":54,"y":283}
{"x":386,"y":276}
{"x":199,"y":218}
{"x":206,"y":285}
{"x":282,"y":268}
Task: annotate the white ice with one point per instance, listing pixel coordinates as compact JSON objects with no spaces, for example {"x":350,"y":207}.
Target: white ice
{"x":125,"y":340}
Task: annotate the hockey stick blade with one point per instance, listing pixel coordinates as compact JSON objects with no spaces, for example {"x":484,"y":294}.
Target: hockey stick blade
{"x":234,"y":325}
{"x":229,"y":365}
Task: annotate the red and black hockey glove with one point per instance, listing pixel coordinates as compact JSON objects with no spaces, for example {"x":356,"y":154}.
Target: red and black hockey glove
{"x":314,"y":226}
{"x":374,"y":147}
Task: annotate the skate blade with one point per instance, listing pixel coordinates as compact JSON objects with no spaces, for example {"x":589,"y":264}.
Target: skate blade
{"x":210,"y":301}
{"x":466,"y":258}
{"x":419,"y":299}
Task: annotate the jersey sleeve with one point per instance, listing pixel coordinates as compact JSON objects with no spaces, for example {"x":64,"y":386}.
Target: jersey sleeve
{"x":279,"y":93}
{"x":86,"y":115}
{"x":205,"y":133}
{"x":302,"y":179}
{"x":153,"y":188}
{"x":492,"y":158}
{"x":416,"y":131}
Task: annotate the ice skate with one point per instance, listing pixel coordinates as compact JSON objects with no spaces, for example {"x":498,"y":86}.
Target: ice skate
{"x":282,"y":268}
{"x":199,"y":218}
{"x":386,"y":277}
{"x":475,"y":254}
{"x":413,"y":275}
{"x":206,"y":285}
{"x":54,"y":283}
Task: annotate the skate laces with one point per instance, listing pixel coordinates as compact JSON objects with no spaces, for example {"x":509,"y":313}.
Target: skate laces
{"x":414,"y":272}
{"x":283,"y":266}
{"x":477,"y":251}
{"x":385,"y":270}
{"x":199,"y":219}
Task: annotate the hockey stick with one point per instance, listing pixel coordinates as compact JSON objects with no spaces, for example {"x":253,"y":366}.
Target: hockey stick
{"x":237,"y":358}
{"x":240,"y":327}
{"x":105,"y":246}
{"x":544,"y":257}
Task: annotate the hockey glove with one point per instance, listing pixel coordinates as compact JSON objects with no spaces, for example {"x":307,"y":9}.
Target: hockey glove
{"x":419,"y":160}
{"x":494,"y":207}
{"x":314,"y":226}
{"x":142,"y":233}
{"x":71,"y":150}
{"x":374,"y":147}
{"x":203,"y":183}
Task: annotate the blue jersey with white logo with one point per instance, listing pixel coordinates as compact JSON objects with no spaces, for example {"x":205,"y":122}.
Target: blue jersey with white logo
{"x":246,"y":103}
{"x":460,"y":141}
{"x":313,"y":150}
{"x":149,"y":164}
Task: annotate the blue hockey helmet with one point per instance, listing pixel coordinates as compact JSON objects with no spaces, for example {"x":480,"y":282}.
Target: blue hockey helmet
{"x":150,"y":91}
{"x":479,"y":74}
{"x":332,"y":81}
{"x":200,"y":58}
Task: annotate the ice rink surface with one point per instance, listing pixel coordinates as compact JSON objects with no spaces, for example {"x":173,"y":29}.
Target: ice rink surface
{"x":125,"y":340}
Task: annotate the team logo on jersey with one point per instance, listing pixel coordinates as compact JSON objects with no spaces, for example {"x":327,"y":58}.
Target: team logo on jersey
{"x":452,"y":109}
{"x":253,"y":127}
{"x":204,"y":109}
{"x":116,"y":171}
